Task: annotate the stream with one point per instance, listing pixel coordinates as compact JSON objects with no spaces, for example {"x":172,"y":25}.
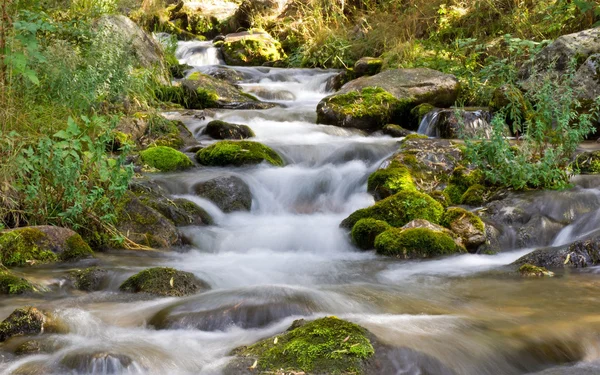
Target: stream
{"x":288,"y":259}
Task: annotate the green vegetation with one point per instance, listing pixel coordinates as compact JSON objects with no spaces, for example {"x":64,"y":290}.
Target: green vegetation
{"x":474,"y":196}
{"x":365,"y":231}
{"x":163,"y":281}
{"x":391,"y":180}
{"x":416,"y":243}
{"x":400,"y":209}
{"x":529,"y":270}
{"x":454,"y":214}
{"x":237,"y":153}
{"x":324,"y":346}
{"x":255,"y":48}
{"x":11,"y":284}
{"x":165,"y":159}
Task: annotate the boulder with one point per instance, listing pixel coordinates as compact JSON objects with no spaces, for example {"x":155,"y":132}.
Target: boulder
{"x":89,"y":279}
{"x":41,"y":244}
{"x":165,"y":159}
{"x":415,"y":243}
{"x":468,"y":226}
{"x":163,"y":281}
{"x":237,"y":153}
{"x":145,"y":225}
{"x":229,"y":193}
{"x":218,"y":129}
{"x":13,"y":284}
{"x":395,"y":131}
{"x":28,"y":321}
{"x":366,"y":230}
{"x":580,"y":254}
{"x":251,"y":48}
{"x":367,"y":66}
{"x":227,"y":74}
{"x":369,"y":103}
{"x":390,"y":180}
{"x":147,"y":50}
{"x":587,"y":78}
{"x":457,"y":123}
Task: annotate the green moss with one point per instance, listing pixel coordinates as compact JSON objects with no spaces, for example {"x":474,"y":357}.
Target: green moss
{"x":371,"y":102}
{"x":400,"y":209}
{"x":121,"y":140}
{"x":587,"y":163}
{"x":88,"y":279}
{"x":466,"y":178}
{"x":324,"y":346}
{"x":441,"y":197}
{"x":23,"y":246}
{"x":391,"y":180}
{"x":474,"y":196}
{"x":28,"y":321}
{"x":252,"y":50}
{"x":162,"y":281}
{"x":453,"y":214}
{"x":11,"y":284}
{"x":415,"y":136}
{"x":420,"y":111}
{"x":455,"y":193}
{"x":165,"y":159}
{"x":415,"y":243}
{"x":76,"y":249}
{"x":529,"y":270}
{"x":365,"y":231}
{"x":237,"y":153}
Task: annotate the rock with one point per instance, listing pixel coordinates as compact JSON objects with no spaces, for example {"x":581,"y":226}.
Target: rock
{"x":147,"y":50}
{"x":409,"y":88}
{"x":145,"y":225}
{"x":307,"y":347}
{"x":465,"y":187}
{"x":475,"y":195}
{"x":91,"y":362}
{"x":162,"y":281}
{"x":528,"y":270}
{"x":41,"y":244}
{"x":12,"y":284}
{"x":237,"y":153}
{"x":27,"y":321}
{"x":388,"y":181}
{"x":133,"y":127}
{"x":226,"y":74}
{"x":416,"y":243}
{"x":537,"y":227}
{"x":335,"y":82}
{"x":395,"y":131}
{"x":270,"y":94}
{"x":587,"y":162}
{"x":165,"y":159}
{"x":580,"y":254}
{"x":251,"y":48}
{"x":587,"y":78}
{"x":224,"y":130}
{"x":229,"y":193}
{"x":365,"y":231}
{"x":457,"y":123}
{"x":164,"y":132}
{"x":89,"y":279}
{"x":468,"y":226}
{"x":38,"y":346}
{"x":367,"y":66}
{"x":399,"y":209}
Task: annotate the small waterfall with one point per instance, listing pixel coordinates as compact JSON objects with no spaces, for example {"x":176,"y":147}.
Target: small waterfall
{"x":198,"y":53}
{"x":454,"y":123}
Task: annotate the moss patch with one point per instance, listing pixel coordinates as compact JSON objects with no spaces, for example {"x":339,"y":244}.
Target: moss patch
{"x":529,"y":270}
{"x":24,"y":246}
{"x":474,"y":196}
{"x":27,"y":321}
{"x":163,"y":281}
{"x":400,"y":209}
{"x":89,"y":279}
{"x":255,"y":48}
{"x":76,"y":249}
{"x":324,"y":346}
{"x":165,"y":159}
{"x":237,"y":153}
{"x":416,"y":243}
{"x":454,"y":192}
{"x":389,"y":181}
{"x":11,"y":284}
{"x":456,"y":213}
{"x":365,"y":231}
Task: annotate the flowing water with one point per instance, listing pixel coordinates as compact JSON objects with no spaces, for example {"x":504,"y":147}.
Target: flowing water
{"x":288,"y":259}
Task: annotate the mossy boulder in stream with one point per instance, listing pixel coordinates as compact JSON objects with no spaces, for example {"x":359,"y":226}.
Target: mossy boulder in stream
{"x":324,"y":346}
{"x":229,"y":193}
{"x":28,"y":321}
{"x":391,"y":180}
{"x":365,"y":231}
{"x":163,"y":281}
{"x":41,"y":244}
{"x":416,"y":243}
{"x":165,"y":159}
{"x":12,"y":284}
{"x":253,"y":47}
{"x":467,"y":225}
{"x":237,"y":153}
{"x":367,"y":66}
{"x":218,"y":129}
{"x":399,"y":209}
{"x":89,"y":279}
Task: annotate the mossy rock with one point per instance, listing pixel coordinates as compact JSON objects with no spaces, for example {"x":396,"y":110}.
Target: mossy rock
{"x":218,"y":129}
{"x":365,"y":231}
{"x":529,"y":270}
{"x":251,"y":48}
{"x":474,"y":196}
{"x":416,"y":243}
{"x":466,"y":177}
{"x":400,"y":209}
{"x":367,"y":66}
{"x":454,"y":192}
{"x":12,"y":284}
{"x":237,"y":153}
{"x":368,"y":109}
{"x":41,"y":244}
{"x":467,"y":225}
{"x":163,"y":281}
{"x":229,"y":193}
{"x":165,"y":159}
{"x":324,"y":346}
{"x":28,"y":321}
{"x":386,"y":182}
{"x":395,"y":131}
{"x":89,"y":279}
{"x":587,"y":163}
{"x":421,"y":111}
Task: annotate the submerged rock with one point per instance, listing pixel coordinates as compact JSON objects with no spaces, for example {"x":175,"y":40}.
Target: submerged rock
{"x":224,"y":130}
{"x":41,"y":244}
{"x":89,"y":279}
{"x":528,"y":270}
{"x":163,"y":281}
{"x":103,"y":362}
{"x":28,"y":321}
{"x":414,"y":243}
{"x":237,"y":153}
{"x":229,"y":193}
{"x":253,"y":47}
{"x":165,"y":159}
